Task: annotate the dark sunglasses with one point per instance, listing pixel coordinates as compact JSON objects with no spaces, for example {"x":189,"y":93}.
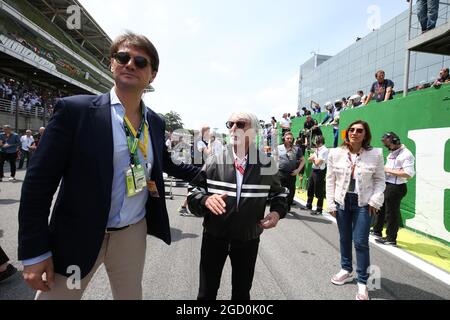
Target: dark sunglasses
{"x":124,"y":57}
{"x":239,"y":124}
{"x":358,"y":130}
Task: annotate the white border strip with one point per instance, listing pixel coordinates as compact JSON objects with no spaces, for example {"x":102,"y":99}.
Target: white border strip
{"x":217,"y":191}
{"x":221,"y":183}
{"x":256,"y":187}
{"x":417,"y":262}
{"x":254,"y":195}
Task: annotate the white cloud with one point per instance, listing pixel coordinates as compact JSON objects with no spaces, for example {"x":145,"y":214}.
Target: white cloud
{"x":223,"y":70}
{"x":273,"y":100}
{"x":192,"y":25}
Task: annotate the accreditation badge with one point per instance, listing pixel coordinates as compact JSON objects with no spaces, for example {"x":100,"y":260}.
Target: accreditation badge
{"x":135,"y":180}
{"x":139,"y":178}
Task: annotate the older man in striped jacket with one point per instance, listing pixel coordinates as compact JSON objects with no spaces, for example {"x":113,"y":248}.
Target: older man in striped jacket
{"x":233,"y":189}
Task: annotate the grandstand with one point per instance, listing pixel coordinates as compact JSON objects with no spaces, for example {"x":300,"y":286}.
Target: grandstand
{"x":41,"y":59}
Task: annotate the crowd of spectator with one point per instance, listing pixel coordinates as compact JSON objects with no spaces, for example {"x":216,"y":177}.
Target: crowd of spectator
{"x":29,"y":98}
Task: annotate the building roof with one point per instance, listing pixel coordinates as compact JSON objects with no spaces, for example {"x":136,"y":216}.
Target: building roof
{"x":90,"y":36}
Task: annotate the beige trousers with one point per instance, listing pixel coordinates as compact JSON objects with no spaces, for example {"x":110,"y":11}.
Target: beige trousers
{"x":123,"y":253}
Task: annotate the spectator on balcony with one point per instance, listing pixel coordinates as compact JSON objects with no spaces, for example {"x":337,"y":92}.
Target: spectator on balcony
{"x":354,"y":102}
{"x":317,"y":109}
{"x":444,"y":77}
{"x":427,"y":13}
{"x":362,"y":95}
{"x":382,"y":89}
{"x":332,"y":118}
{"x":306,"y":112}
{"x":311,"y":130}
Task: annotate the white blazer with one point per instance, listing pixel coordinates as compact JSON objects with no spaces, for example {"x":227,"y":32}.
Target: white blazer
{"x":369,"y":173}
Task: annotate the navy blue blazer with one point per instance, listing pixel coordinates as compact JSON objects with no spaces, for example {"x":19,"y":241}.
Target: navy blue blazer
{"x":77,"y":150}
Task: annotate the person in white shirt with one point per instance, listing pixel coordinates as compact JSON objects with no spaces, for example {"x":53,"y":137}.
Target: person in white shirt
{"x":399,"y":169}
{"x":285,"y":124}
{"x":316,"y":182}
{"x":26,"y":141}
{"x":202,"y":150}
{"x":355,"y":186}
{"x":216,"y":146}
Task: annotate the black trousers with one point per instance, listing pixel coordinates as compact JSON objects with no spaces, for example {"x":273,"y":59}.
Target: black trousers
{"x":11,"y":158}
{"x":3,"y":257}
{"x":288,"y":181}
{"x":214,"y":253}
{"x":24,"y":154}
{"x":390,"y":212}
{"x":316,"y":187}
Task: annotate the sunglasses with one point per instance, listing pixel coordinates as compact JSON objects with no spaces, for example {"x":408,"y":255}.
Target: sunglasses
{"x":239,"y":124}
{"x":124,"y":57}
{"x":357,"y":130}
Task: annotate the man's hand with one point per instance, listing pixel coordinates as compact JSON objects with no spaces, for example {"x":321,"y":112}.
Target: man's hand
{"x":216,"y":204}
{"x":5,"y":145}
{"x":40,"y":276}
{"x":333,"y":214}
{"x":270,"y":221}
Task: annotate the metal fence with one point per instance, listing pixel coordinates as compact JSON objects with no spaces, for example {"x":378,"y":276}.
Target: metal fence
{"x":9,"y":106}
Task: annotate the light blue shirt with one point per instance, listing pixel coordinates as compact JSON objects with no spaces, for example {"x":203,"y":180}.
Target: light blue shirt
{"x":124,"y":210}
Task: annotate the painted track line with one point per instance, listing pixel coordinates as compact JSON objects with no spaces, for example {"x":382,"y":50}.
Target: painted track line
{"x":417,"y":262}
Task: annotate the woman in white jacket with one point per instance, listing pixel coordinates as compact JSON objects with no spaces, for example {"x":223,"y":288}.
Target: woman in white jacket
{"x":354,"y":187}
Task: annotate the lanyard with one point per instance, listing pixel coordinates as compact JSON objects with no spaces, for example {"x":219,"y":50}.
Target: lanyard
{"x":133,"y":138}
{"x":353,"y":163}
{"x":240,"y":166}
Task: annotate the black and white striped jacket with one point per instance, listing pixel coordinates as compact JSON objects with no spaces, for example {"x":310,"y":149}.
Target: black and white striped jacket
{"x":240,"y":222}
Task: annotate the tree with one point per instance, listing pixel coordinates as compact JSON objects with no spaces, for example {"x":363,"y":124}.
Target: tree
{"x":173,"y":121}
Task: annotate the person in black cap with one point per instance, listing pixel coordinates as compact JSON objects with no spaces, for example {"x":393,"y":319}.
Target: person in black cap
{"x":399,"y":169}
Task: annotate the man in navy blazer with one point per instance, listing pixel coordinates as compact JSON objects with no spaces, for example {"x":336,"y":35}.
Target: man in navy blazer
{"x":91,"y":147}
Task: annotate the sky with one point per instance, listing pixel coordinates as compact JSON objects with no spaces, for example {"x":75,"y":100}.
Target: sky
{"x":218,"y":57}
